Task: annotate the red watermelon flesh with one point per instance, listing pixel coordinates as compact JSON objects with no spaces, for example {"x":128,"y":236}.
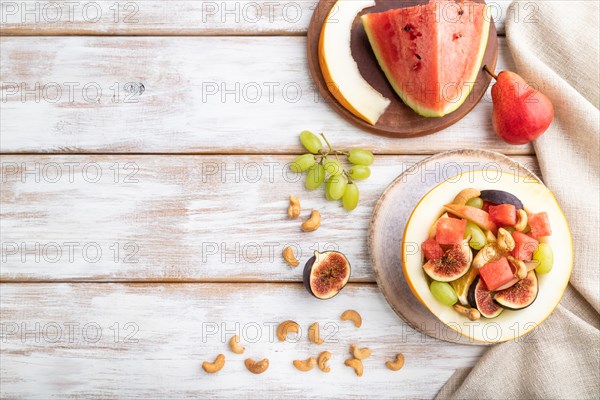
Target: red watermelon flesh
{"x":432,"y":53}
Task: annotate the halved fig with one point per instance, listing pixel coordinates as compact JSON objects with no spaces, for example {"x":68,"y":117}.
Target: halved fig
{"x":501,"y":197}
{"x":455,"y":262}
{"x":522,"y":294}
{"x":481,"y":298}
{"x":326,"y":274}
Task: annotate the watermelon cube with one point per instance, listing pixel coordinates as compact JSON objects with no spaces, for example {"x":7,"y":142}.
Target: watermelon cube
{"x":450,"y":231}
{"x":431,"y":249}
{"x":503,"y":214}
{"x":496,"y":274}
{"x":525,"y":246}
{"x":539,"y":224}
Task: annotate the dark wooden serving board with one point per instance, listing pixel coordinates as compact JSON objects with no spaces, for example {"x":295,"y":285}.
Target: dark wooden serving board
{"x":399,"y":120}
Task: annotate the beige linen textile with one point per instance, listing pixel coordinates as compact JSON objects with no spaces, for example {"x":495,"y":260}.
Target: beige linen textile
{"x":558,"y":51}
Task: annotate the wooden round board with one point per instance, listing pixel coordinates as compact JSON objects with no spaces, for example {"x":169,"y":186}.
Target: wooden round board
{"x":399,"y":120}
{"x":389,"y":219}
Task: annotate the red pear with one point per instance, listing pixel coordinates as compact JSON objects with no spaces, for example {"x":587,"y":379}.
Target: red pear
{"x":521,"y":113}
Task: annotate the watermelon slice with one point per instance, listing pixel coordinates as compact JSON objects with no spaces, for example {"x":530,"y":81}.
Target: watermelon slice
{"x":432,"y":53}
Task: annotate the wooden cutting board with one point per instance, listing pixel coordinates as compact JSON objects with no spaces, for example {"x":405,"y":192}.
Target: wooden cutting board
{"x":399,"y":120}
{"x":389,"y":220}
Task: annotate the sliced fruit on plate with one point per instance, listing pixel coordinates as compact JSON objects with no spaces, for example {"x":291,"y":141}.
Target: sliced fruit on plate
{"x":539,"y":224}
{"x":475,"y":215}
{"x":501,"y":197}
{"x":431,"y":54}
{"x":450,"y":231}
{"x":503,"y":214}
{"x":496,"y":274}
{"x":339,"y":68}
{"x":461,"y":286}
{"x":452,"y":265}
{"x":431,"y":249}
{"x":481,"y":298}
{"x":525,"y":246}
{"x":522,"y":294}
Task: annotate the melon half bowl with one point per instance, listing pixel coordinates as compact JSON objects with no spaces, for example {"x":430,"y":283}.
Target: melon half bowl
{"x":509,"y":325}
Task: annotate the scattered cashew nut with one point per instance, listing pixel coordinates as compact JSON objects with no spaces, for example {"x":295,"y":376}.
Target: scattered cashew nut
{"x":294,"y":207}
{"x":322,"y":361}
{"x":522,"y":220}
{"x":466,"y":195}
{"x":313,"y":223}
{"x":305,"y":365}
{"x":520,"y":267}
{"x":285,"y":327}
{"x":354,"y":316}
{"x":397,"y":364}
{"x":489,"y":253}
{"x":289,"y":257}
{"x":472,"y":313}
{"x":257,"y":367}
{"x":234,"y":345}
{"x":505,"y":240}
{"x":314,"y":334}
{"x":359,"y":353}
{"x":356,"y":364}
{"x":216,"y":366}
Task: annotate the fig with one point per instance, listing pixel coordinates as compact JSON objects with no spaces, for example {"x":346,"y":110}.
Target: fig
{"x":455,"y":262}
{"x":501,"y":197}
{"x":326,"y":274}
{"x":481,"y":298}
{"x":520,"y":295}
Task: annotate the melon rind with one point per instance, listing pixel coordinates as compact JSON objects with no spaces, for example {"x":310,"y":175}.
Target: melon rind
{"x":419,"y":108}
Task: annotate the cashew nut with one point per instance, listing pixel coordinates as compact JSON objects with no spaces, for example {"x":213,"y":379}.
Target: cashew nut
{"x":257,"y":367}
{"x":234,"y":345}
{"x":354,"y":316}
{"x":322,"y":361}
{"x":520,"y":267}
{"x":466,"y":195}
{"x":216,"y":366}
{"x":289,"y":257}
{"x":397,"y":364}
{"x":522,"y":220}
{"x":285,"y":327}
{"x":305,"y":365}
{"x":314,"y":334}
{"x":294,"y":207}
{"x":505,"y":240}
{"x":489,"y":253}
{"x":313,"y":223}
{"x":356,"y":364}
{"x":472,"y":313}
{"x":360,"y":354}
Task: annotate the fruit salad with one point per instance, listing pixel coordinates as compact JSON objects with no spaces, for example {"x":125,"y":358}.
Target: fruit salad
{"x":484,"y":252}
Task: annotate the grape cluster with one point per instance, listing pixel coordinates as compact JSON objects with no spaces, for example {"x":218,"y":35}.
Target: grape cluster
{"x":324,"y":166}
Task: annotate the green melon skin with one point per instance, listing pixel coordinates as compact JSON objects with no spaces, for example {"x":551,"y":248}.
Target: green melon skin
{"x":419,"y":108}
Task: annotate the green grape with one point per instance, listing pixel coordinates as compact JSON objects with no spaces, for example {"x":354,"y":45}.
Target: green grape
{"x":478,"y":239}
{"x":336,"y":187}
{"x":315,"y":177}
{"x":333,"y":166}
{"x":361,"y":157}
{"x":359,"y":172}
{"x":476,"y":202}
{"x":303,"y":163}
{"x":311,"y":142}
{"x":545,"y":257}
{"x":350,"y":199}
{"x":443,"y":292}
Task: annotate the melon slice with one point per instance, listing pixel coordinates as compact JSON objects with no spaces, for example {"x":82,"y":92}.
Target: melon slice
{"x":339,"y":68}
{"x":432,"y":53}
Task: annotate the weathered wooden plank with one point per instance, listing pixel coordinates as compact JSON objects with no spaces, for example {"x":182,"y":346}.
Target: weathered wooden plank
{"x":176,"y":17}
{"x":174,"y":218}
{"x":200,"y":95}
{"x":61,"y":341}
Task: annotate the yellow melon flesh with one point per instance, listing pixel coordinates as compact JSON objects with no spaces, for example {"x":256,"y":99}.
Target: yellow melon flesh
{"x":339,"y":68}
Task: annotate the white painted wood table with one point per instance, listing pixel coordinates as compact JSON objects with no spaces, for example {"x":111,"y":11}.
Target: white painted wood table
{"x":144,"y":191}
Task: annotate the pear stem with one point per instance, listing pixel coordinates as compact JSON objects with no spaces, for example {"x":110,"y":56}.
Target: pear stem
{"x":489,"y":71}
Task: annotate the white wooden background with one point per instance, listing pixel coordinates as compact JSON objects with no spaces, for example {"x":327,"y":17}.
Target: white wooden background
{"x":159,"y":216}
